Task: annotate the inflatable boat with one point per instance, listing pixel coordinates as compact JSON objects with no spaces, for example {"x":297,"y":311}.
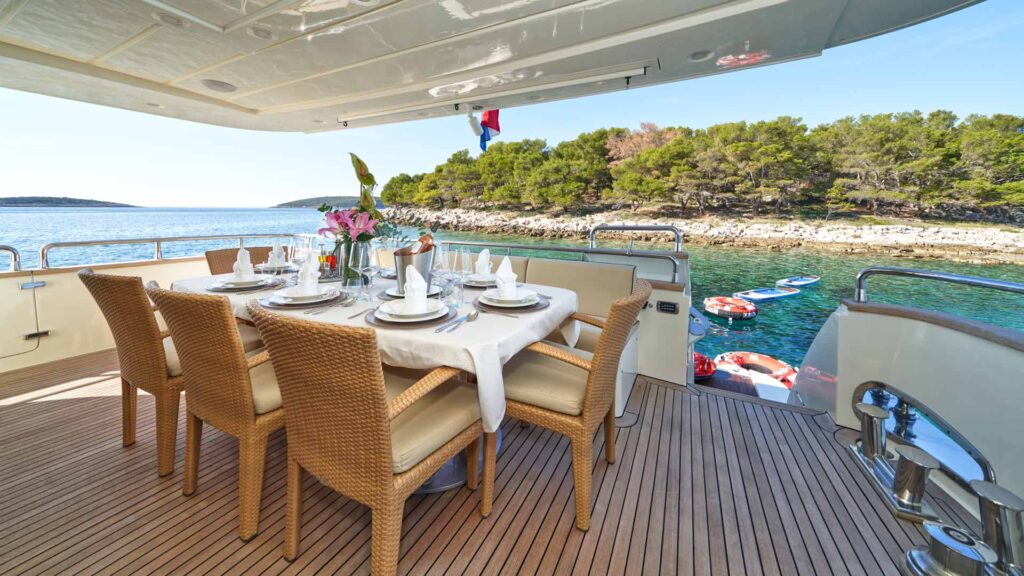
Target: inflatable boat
{"x":732,"y":308}
{"x":760,"y":363}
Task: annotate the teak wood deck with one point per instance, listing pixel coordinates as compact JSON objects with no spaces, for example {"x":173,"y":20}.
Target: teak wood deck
{"x":706,"y":483}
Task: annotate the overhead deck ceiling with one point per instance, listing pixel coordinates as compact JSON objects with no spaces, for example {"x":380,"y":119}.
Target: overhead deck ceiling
{"x":316,"y":65}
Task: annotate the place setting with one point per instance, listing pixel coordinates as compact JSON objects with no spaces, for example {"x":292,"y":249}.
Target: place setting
{"x":481,"y":276}
{"x":508,"y":295}
{"x":308,"y":294}
{"x":243,"y":279}
{"x":414,"y":308}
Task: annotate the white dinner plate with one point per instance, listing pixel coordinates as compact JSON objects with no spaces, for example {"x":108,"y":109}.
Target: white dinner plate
{"x":229,"y":281}
{"x":329,"y":294}
{"x":478,"y":281}
{"x":397,"y":308}
{"x":277,"y":269}
{"x":393,"y":291}
{"x":517,"y":304}
{"x":523,"y":297}
{"x":294,"y":294}
{"x":383,"y":315}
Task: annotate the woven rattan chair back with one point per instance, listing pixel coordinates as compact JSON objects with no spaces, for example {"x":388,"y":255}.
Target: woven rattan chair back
{"x":205,"y":333}
{"x":129,"y":314}
{"x":223,"y":261}
{"x":605,"y":365}
{"x":332,"y":389}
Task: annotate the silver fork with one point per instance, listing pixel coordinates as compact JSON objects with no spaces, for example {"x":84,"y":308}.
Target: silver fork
{"x":320,"y":310}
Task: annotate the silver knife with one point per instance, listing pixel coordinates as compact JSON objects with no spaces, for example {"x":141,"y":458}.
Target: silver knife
{"x":456,"y":320}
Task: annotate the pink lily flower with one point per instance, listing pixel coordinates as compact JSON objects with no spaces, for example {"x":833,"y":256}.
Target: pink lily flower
{"x":363,"y":224}
{"x":338,"y":221}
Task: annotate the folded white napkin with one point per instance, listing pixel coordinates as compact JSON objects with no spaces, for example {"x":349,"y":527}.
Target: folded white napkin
{"x":415,"y":295}
{"x":506,"y":279}
{"x":309,"y":277}
{"x":483,"y":264}
{"x":276,"y":258}
{"x":243,"y":266}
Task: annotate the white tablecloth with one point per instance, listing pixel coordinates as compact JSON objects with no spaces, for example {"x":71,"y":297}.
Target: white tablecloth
{"x":479,"y":347}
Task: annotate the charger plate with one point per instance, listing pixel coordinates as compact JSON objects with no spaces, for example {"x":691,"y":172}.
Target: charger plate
{"x":373,"y":320}
{"x":266,"y":303}
{"x":542,"y":304}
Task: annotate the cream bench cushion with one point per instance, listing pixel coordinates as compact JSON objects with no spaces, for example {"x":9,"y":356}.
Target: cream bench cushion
{"x":596,"y":285}
{"x":431,"y":421}
{"x":541,"y":380}
{"x":250,"y":341}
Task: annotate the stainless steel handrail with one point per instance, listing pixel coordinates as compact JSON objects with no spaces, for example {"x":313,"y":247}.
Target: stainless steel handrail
{"x":637,"y":228}
{"x":576,"y":250}
{"x":860,"y":293}
{"x":44,"y":261}
{"x":15,"y":256}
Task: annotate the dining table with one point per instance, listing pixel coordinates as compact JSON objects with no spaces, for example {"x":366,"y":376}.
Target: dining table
{"x":480,"y":347}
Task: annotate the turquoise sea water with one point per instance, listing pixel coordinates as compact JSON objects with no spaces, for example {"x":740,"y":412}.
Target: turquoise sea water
{"x":783,"y":328}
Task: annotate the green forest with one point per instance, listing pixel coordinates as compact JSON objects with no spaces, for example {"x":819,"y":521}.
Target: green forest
{"x":901,"y":163}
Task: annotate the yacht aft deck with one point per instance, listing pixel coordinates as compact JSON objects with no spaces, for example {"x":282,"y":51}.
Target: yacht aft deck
{"x":707,"y":482}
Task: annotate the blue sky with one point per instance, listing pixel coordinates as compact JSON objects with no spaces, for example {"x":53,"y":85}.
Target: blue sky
{"x":968,"y":62}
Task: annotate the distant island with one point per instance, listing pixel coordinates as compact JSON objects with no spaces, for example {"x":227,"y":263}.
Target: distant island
{"x":336,"y":201}
{"x":58,"y":202}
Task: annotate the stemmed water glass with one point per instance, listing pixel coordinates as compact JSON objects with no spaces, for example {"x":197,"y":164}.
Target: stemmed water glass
{"x":442,"y":269}
{"x":362,"y":261}
{"x":465,"y":268}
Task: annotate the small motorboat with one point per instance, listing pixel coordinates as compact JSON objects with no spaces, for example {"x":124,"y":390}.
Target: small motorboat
{"x":760,"y":363}
{"x":799,"y":281}
{"x":703,"y":367}
{"x":764,"y":294}
{"x":732,"y":308}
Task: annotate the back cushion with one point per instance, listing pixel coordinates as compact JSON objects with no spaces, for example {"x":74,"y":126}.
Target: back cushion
{"x":596,"y":285}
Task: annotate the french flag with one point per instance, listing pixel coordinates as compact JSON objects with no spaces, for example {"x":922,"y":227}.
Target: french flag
{"x":489,"y":128}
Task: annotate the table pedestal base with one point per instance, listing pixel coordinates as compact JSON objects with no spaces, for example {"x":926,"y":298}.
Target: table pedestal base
{"x":453,"y":473}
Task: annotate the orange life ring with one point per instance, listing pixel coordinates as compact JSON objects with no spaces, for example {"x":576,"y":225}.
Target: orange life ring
{"x":727,"y":307}
{"x":762,"y":363}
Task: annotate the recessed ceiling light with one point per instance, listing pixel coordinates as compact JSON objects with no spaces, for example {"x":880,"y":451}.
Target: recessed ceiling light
{"x":317,"y":121}
{"x":701,"y":55}
{"x":169,"y":19}
{"x":261,"y":33}
{"x":218,"y":85}
{"x":533,"y":97}
{"x":154,"y":105}
{"x":366,"y":3}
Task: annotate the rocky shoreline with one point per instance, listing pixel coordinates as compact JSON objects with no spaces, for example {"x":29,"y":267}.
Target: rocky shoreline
{"x":961,"y":244}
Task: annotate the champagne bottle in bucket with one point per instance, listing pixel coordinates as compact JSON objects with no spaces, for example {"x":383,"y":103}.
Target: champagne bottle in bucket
{"x":419,"y":255}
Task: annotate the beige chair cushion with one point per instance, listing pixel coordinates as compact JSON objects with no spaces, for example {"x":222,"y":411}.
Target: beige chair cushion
{"x":542,"y":381}
{"x":432,"y":421}
{"x":250,"y":341}
{"x":596,"y":285}
{"x":266,"y":396}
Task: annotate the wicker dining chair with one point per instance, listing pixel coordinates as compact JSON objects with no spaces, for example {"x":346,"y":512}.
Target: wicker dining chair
{"x":370,"y":432}
{"x":572,"y":392}
{"x":142,"y":352}
{"x":223,"y":261}
{"x":233,"y":392}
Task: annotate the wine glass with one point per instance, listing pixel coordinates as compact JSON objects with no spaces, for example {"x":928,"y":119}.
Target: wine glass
{"x":465,"y":270}
{"x":360,"y":260}
{"x":441,"y":270}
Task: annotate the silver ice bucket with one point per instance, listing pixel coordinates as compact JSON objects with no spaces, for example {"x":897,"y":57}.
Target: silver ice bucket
{"x":423,"y":262}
